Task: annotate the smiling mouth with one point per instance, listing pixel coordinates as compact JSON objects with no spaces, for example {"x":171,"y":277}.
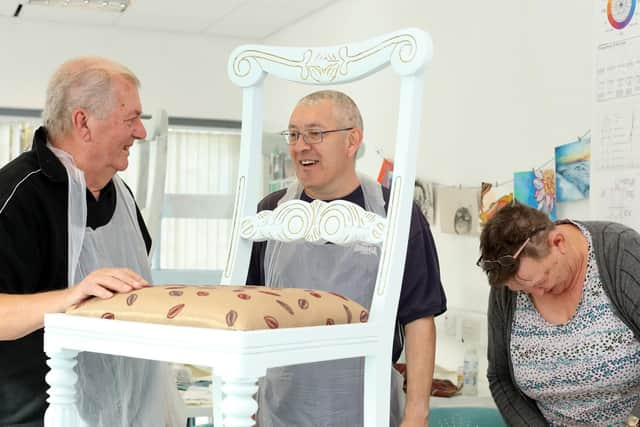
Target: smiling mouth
{"x":308,"y":162}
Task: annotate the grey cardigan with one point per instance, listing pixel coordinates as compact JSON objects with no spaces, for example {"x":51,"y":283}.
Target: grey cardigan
{"x":617,"y":252}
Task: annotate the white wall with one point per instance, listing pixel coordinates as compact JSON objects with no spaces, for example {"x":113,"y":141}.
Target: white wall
{"x":509,"y":81}
{"x":184,"y":74}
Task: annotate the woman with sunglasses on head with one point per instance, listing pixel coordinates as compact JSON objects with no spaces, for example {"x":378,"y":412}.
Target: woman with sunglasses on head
{"x":564,"y":318}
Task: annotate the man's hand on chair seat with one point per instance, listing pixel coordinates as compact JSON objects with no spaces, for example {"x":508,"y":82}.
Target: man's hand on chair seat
{"x":104,"y":283}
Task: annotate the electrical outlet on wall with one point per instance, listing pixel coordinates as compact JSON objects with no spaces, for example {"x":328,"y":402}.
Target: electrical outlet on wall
{"x":449,"y":324}
{"x":473,"y":332}
{"x":458,"y":324}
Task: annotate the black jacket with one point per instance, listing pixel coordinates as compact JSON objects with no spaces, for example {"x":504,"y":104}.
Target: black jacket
{"x":33,"y":258}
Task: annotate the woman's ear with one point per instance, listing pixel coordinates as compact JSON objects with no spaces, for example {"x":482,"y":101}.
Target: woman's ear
{"x":80,"y":124}
{"x":558,"y":239}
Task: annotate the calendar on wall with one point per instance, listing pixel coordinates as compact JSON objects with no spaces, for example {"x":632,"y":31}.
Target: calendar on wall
{"x":615,"y":150}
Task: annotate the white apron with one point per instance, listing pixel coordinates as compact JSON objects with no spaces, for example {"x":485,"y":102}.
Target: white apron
{"x":324,"y":394}
{"x":115,"y":391}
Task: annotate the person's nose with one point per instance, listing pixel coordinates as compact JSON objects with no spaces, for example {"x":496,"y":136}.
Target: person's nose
{"x":300,"y":144}
{"x":139,"y":131}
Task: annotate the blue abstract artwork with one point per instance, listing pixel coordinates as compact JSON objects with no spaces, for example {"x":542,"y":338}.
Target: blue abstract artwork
{"x":573,"y":162}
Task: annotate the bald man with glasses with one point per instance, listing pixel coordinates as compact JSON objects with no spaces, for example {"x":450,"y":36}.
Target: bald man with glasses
{"x":324,"y":134}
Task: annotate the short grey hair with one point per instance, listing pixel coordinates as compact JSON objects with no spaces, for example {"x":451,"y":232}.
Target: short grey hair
{"x":347,"y":112}
{"x":84,"y":82}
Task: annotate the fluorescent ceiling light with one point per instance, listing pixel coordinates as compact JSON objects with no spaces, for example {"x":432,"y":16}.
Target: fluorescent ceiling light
{"x":104,"y":5}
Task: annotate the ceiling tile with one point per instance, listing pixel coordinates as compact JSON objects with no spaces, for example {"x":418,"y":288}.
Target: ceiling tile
{"x":67,"y":15}
{"x":176,"y":15}
{"x":257,"y":19}
{"x":245,"y":19}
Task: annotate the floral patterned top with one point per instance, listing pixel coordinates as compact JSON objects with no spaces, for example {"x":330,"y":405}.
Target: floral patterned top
{"x":584,"y":372}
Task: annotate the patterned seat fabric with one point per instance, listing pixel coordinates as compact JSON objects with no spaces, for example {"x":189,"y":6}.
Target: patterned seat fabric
{"x":227,"y":307}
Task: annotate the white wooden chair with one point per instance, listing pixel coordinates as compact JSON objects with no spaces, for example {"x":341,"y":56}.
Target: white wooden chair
{"x":239,"y":358}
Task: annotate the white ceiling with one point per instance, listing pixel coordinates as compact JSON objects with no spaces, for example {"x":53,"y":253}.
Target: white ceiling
{"x":243,"y":19}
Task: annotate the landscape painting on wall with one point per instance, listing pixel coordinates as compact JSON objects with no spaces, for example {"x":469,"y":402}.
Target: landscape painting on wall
{"x":572,"y":170}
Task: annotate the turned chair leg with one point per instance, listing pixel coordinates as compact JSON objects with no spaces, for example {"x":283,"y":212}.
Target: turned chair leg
{"x":238,"y":404}
{"x":62,"y":410}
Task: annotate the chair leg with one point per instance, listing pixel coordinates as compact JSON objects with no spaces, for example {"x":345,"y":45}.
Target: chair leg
{"x":216,"y":387}
{"x":62,"y":410}
{"x":238,"y":404}
{"x":377,"y":384}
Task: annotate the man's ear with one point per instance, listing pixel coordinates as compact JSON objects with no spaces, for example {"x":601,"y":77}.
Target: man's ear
{"x":353,"y":142}
{"x":80,"y":124}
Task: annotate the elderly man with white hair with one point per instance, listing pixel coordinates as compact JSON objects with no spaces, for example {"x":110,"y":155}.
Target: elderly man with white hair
{"x":70,"y":230}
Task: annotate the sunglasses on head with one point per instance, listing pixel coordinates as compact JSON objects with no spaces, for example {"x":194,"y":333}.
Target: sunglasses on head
{"x":508,"y":262}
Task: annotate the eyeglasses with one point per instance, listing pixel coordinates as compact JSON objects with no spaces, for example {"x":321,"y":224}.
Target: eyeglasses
{"x":312,"y":136}
{"x":508,"y":262}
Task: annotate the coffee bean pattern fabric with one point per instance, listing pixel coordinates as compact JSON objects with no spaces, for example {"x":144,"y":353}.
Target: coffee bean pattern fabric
{"x":227,"y":307}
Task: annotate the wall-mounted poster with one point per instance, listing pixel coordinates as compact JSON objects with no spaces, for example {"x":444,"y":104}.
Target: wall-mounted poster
{"x":458,"y":210}
{"x":536,"y":188}
{"x":492,"y":199}
{"x":573,"y":162}
{"x":423,"y":196}
{"x":385,"y":176}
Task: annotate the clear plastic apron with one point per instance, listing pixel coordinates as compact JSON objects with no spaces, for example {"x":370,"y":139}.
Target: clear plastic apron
{"x":328,"y":393}
{"x":115,"y":391}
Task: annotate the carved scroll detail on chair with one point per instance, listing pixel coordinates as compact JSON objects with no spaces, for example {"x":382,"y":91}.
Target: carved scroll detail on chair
{"x":338,"y":222}
{"x":336,"y":64}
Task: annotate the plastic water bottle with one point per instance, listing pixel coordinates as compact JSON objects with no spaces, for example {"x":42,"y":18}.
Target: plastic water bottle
{"x":470,"y":372}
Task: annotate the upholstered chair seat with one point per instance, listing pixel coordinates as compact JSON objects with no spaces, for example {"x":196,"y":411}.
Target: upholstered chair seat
{"x":240,"y":308}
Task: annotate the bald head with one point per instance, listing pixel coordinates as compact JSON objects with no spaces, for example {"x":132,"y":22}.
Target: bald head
{"x":345,"y":110}
{"x":86,"y":83}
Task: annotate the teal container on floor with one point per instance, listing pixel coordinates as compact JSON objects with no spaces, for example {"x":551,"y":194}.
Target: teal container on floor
{"x":461,"y":416}
{"x":465,"y":416}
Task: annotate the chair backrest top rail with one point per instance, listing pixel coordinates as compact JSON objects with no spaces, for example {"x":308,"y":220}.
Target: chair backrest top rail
{"x":406,"y":50}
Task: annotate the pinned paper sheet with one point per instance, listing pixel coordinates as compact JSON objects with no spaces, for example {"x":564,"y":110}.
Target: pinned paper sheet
{"x":423,"y":196}
{"x":458,"y":210}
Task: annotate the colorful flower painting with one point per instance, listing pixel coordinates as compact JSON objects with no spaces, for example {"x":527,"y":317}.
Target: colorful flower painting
{"x":492,"y":199}
{"x":573,"y":162}
{"x":536,"y":188}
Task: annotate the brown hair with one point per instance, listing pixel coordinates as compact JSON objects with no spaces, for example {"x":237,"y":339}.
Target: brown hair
{"x":505,"y":233}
